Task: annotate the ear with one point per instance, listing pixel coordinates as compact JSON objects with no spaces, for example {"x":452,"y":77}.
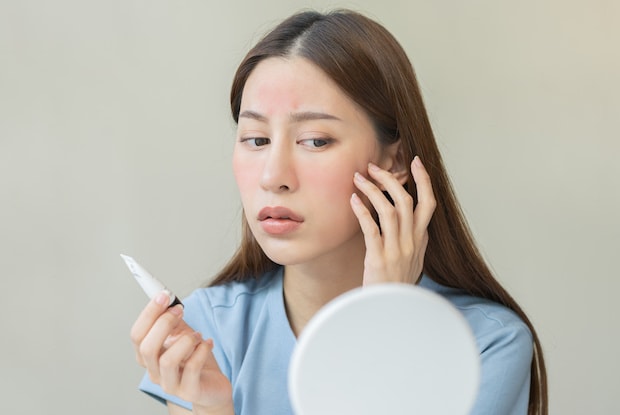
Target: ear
{"x":392,"y":160}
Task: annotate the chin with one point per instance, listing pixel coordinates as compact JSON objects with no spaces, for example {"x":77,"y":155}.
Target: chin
{"x":283,"y":258}
{"x":284,"y":252}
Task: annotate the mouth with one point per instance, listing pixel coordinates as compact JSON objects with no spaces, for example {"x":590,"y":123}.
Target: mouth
{"x":279,"y":213}
{"x":279,"y":221}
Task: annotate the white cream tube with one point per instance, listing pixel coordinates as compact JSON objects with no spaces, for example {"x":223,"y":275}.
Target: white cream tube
{"x":149,"y":284}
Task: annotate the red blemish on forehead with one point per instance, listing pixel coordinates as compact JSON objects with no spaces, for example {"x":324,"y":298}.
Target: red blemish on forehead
{"x":274,"y":89}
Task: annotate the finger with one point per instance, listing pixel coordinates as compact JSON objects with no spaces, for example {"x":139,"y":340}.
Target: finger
{"x":151,"y":346}
{"x":419,"y":260}
{"x":172,"y":361}
{"x":426,"y":198}
{"x":370,"y":230}
{"x":202,"y":367}
{"x":181,"y":329}
{"x":149,"y":314}
{"x":388,"y":217}
{"x":403,"y":201}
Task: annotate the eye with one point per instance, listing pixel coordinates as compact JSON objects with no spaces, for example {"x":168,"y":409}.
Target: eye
{"x":256,"y":141}
{"x":316,"y":142}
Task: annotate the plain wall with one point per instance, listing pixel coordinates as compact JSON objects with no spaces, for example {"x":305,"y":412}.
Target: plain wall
{"x":115,"y":137}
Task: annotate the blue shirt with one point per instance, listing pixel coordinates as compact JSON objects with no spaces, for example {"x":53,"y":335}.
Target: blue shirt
{"x":254,"y":342}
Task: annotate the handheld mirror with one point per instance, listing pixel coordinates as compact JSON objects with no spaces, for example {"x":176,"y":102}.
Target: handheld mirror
{"x":385,"y":349}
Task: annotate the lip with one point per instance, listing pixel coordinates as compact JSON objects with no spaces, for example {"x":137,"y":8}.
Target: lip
{"x":279,"y":220}
{"x":278,"y":212}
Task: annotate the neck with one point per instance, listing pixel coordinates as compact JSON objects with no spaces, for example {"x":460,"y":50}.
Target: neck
{"x":308,"y":287}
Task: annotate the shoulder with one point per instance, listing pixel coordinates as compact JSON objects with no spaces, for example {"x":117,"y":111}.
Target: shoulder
{"x":488,"y":320}
{"x":505,"y":345}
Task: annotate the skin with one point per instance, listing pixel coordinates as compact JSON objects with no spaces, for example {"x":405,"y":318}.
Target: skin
{"x":304,"y":145}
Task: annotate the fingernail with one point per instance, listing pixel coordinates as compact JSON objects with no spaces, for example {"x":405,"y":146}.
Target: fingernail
{"x":417,"y":161}
{"x":198,"y":336}
{"x":373,"y":167}
{"x":163,"y":298}
{"x":359,"y":177}
{"x":177,"y":310}
{"x":355,"y":199}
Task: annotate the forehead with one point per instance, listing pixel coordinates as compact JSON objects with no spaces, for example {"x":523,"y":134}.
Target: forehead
{"x":294,"y":84}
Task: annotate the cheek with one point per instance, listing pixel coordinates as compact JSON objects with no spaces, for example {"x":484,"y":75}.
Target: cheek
{"x":336,"y":186}
{"x":333,"y":186}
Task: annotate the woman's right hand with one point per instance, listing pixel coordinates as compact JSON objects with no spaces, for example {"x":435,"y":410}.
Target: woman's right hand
{"x":178,"y":359}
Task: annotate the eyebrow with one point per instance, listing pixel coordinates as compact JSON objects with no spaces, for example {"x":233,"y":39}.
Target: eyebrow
{"x":295,"y":117}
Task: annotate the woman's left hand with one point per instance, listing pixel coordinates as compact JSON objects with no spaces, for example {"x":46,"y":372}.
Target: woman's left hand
{"x":394,"y":253}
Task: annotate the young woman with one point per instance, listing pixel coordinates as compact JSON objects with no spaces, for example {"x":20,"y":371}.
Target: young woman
{"x":342,"y":185}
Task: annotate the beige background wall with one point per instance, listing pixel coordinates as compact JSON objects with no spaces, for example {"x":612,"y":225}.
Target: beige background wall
{"x":115,"y":137}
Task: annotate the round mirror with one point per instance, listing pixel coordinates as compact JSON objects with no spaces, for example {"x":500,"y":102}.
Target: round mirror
{"x":385,"y":349}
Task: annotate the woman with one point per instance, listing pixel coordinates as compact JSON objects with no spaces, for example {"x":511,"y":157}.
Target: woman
{"x":342,"y":185}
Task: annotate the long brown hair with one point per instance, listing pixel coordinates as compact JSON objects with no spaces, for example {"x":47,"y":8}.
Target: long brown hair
{"x":369,"y":65}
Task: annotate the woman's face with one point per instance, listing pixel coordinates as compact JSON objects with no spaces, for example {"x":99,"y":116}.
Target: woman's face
{"x":300,"y":140}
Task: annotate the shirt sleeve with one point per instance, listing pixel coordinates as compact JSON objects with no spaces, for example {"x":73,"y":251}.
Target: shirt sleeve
{"x":506,"y":357}
{"x":198,"y":314}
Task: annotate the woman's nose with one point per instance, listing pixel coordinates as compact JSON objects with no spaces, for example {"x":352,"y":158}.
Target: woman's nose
{"x":278,"y":173}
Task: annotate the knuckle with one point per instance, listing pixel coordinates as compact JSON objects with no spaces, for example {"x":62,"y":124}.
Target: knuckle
{"x":372,"y":231}
{"x":433,"y":203}
{"x":406,"y":200}
{"x":167,"y":319}
{"x":166,"y":362}
{"x":392,"y":214}
{"x":167,"y":387}
{"x":140,"y":360}
{"x":388,"y":213}
{"x":154,"y":377}
{"x":194,"y":365}
{"x":135,"y":335}
{"x":408,"y":250}
{"x":146,"y":350}
{"x":197,"y":361}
